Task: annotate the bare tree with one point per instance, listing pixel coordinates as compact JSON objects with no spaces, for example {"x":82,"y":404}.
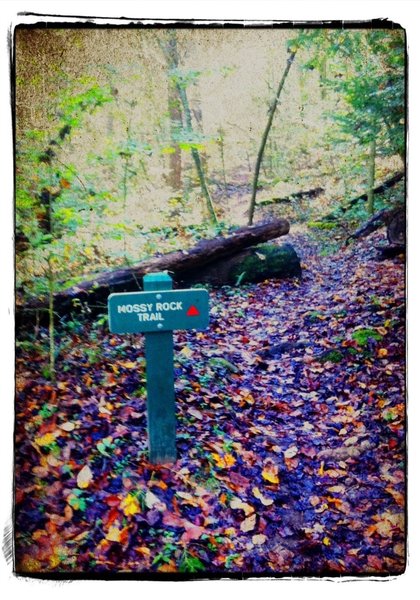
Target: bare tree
{"x":264,"y":138}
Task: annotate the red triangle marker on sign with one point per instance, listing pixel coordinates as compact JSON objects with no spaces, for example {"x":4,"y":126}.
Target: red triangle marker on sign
{"x":193,"y":311}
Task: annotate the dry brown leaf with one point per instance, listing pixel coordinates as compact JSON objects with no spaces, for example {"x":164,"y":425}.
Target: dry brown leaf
{"x":84,"y":477}
{"x":263,"y":499}
{"x":68,"y":426}
{"x":237,"y":503}
{"x":192,"y":532}
{"x":249,"y":523}
{"x":291,"y":452}
{"x":195,"y":413}
{"x":259,"y":539}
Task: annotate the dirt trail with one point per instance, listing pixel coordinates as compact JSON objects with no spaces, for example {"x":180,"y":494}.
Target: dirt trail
{"x":290,"y":435}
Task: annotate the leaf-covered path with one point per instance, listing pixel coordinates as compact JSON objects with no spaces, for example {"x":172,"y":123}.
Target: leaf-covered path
{"x":291,"y":436}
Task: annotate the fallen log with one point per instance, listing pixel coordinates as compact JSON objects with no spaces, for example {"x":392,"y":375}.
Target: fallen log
{"x":380,"y":189}
{"x":258,"y":263}
{"x":390,"y":251}
{"x":393,"y":218}
{"x":90,"y":292}
{"x":297,"y":196}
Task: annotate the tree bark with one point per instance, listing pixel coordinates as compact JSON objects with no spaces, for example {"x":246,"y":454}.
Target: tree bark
{"x":220,"y":143}
{"x":265,"y":137}
{"x":171,"y":53}
{"x":178,"y":264}
{"x":396,"y":228}
{"x":196,"y":156}
{"x":371,"y":178}
{"x":175,"y":162}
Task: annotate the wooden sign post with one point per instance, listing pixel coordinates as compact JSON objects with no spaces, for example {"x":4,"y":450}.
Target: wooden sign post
{"x":157,"y":312}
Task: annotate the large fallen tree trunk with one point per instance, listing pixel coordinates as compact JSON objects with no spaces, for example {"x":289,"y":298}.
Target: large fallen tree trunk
{"x":178,"y":264}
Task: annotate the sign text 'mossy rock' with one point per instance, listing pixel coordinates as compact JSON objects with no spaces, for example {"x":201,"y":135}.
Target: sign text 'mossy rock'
{"x":163,"y":310}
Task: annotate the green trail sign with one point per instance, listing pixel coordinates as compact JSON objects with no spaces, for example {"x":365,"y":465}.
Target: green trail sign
{"x":143,"y":312}
{"x":157,"y":312}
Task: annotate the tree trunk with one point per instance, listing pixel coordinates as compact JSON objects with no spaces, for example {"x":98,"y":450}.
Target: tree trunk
{"x":220,"y":143}
{"x":175,"y":162}
{"x":178,"y":264}
{"x":371,"y":178}
{"x":196,"y":156}
{"x":265,"y":137}
{"x":171,"y":52}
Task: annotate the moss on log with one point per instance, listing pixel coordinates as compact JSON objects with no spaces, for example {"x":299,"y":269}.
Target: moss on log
{"x":265,"y":261}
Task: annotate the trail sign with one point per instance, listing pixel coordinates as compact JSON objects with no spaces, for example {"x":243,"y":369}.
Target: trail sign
{"x":141,"y":312}
{"x":157,"y":312}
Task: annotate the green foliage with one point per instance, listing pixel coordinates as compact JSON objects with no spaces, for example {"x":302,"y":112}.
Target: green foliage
{"x":190,"y":563}
{"x":47,"y":411}
{"x":321,"y":225}
{"x":168,"y":550}
{"x":373,"y":88}
{"x":231,"y":559}
{"x":77,"y":500}
{"x":52,"y":201}
{"x":184,"y":77}
{"x":186,"y":139}
{"x":48,"y":205}
{"x":334,"y":356}
{"x":240,"y":278}
{"x":364,"y":335}
{"x":362,"y":78}
{"x":106,"y":446}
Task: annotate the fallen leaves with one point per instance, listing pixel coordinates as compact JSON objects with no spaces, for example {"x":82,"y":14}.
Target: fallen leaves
{"x":259,"y":539}
{"x":265,"y":501}
{"x":115,"y":534}
{"x":45,"y":440}
{"x":224,"y":461}
{"x":192,"y":532}
{"x":270,"y":473}
{"x":335,"y":473}
{"x":130,"y":505}
{"x":285,"y":464}
{"x":195,"y":413}
{"x":291,"y":452}
{"x":84,"y":477}
{"x":68,"y":426}
{"x":154,"y":502}
{"x":237,"y":503}
{"x":249,"y":523}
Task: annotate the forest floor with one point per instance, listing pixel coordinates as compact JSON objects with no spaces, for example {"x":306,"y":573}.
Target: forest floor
{"x":290,"y":435}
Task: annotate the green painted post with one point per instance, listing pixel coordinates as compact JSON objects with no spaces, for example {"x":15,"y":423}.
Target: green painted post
{"x":156,"y":312}
{"x":161,"y":421}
